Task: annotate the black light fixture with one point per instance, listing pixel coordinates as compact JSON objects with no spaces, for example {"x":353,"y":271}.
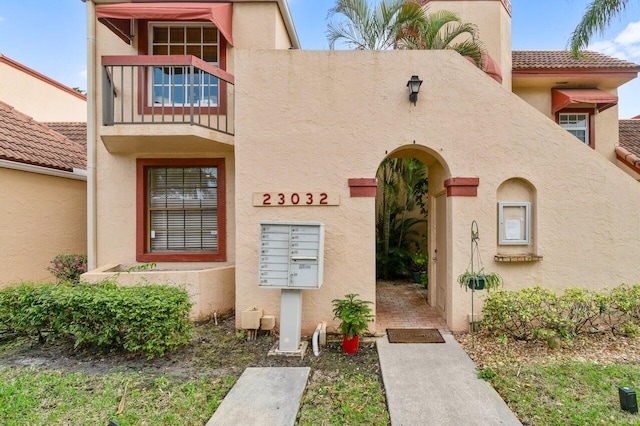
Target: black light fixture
{"x":414,"y":87}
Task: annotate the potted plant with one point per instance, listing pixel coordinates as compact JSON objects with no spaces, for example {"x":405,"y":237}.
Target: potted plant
{"x":480,"y":280}
{"x":354,"y":315}
{"x":419,"y":261}
{"x":419,"y":271}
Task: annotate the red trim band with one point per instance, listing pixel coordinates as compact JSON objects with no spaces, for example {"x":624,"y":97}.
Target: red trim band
{"x":363,"y":187}
{"x":462,"y":186}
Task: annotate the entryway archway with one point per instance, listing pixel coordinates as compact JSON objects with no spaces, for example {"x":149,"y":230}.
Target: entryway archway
{"x":412,"y":238}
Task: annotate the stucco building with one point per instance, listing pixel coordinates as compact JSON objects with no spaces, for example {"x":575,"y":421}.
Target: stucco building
{"x":42,"y":173}
{"x":207,"y":119}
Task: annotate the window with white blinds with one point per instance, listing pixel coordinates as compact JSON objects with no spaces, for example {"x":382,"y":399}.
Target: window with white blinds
{"x":182,"y":209}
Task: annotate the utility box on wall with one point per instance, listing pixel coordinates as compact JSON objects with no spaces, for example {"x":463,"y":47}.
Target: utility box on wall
{"x":291,"y":255}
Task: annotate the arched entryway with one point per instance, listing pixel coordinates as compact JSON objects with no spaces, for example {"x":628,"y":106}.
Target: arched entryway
{"x":417,"y":233}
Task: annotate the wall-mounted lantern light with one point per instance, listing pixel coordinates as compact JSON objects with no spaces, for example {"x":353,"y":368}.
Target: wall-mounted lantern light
{"x":414,"y":87}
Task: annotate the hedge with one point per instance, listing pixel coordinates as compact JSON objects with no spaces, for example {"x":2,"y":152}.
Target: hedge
{"x":537,"y":312}
{"x":148,"y":320}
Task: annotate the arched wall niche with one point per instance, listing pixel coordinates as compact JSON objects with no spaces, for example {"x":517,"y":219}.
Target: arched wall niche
{"x":517,"y":220}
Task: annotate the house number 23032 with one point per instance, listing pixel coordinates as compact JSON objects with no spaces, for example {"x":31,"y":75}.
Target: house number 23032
{"x":301,"y":198}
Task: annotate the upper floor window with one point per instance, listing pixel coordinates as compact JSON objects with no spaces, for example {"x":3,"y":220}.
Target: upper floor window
{"x":580,"y":123}
{"x":172,"y":86}
{"x":199,"y":40}
{"x":577,"y":125}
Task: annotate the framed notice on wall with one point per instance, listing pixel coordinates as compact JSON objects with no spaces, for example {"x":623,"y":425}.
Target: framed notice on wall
{"x":514,"y":227}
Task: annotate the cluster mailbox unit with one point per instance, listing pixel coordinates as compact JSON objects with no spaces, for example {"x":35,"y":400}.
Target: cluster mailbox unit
{"x":291,"y":259}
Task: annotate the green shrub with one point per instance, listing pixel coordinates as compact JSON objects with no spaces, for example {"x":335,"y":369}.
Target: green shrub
{"x":148,"y":319}
{"x":518,"y":313}
{"x":68,"y":267}
{"x":537,"y":313}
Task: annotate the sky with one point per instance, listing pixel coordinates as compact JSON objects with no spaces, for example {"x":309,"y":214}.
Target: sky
{"x":50,"y":36}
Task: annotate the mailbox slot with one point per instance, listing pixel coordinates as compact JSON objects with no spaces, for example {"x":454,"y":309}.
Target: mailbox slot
{"x":291,"y":255}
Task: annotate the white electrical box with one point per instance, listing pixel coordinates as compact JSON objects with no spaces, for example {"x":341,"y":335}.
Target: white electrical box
{"x":291,"y":255}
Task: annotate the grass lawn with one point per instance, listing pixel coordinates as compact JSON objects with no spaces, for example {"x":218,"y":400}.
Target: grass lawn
{"x":575,"y":384}
{"x":52,"y":384}
{"x":566,"y":393}
{"x":33,"y":396}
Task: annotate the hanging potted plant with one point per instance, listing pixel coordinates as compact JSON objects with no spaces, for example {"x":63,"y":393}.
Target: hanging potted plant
{"x":354,"y":315}
{"x":480,"y":280}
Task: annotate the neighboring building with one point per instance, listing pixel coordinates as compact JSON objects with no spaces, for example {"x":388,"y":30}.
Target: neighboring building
{"x":43,"y":190}
{"x":76,"y":131}
{"x":209,"y":120}
{"x":628,"y":152}
{"x":578,"y":94}
{"x":43,"y":173}
{"x":38,"y":96}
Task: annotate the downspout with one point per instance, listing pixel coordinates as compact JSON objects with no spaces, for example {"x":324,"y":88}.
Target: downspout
{"x":92,"y":249}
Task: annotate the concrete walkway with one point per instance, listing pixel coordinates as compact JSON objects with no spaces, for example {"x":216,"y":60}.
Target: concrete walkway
{"x":263,"y":396}
{"x":430,"y":383}
{"x":437,"y":384}
{"x":426,"y":384}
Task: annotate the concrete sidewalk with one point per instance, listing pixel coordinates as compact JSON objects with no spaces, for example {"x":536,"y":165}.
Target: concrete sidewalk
{"x":437,"y":384}
{"x":263,"y":396}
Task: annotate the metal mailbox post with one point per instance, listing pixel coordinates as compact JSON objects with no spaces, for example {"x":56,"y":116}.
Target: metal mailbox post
{"x":291,"y":259}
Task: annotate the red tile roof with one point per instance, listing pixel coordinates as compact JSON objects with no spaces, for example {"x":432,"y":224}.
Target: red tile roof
{"x":76,"y":131}
{"x":630,"y":135}
{"x":24,"y":140}
{"x":562,"y":59}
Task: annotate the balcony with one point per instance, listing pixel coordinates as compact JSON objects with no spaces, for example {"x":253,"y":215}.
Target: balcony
{"x":141,"y":95}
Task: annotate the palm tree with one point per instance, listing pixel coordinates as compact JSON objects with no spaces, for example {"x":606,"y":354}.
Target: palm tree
{"x":402,"y":24}
{"x":372,"y":28}
{"x":403,"y":184}
{"x":596,"y":19}
{"x":439,"y":31}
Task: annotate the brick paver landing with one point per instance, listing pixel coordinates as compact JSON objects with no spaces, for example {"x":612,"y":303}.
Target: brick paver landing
{"x":400,"y":304}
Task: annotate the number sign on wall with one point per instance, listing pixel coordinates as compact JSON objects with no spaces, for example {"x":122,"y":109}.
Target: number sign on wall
{"x":302,"y":198}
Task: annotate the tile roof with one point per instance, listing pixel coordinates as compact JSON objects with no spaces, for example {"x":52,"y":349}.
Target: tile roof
{"x":76,"y":131}
{"x":630,"y":135}
{"x":24,"y":140}
{"x":562,"y":59}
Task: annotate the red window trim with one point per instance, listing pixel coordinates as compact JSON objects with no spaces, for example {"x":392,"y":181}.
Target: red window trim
{"x":143,"y":49}
{"x":592,"y":121}
{"x":142,"y":217}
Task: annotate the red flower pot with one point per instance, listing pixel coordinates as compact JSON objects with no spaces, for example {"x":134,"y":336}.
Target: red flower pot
{"x":350,"y":346}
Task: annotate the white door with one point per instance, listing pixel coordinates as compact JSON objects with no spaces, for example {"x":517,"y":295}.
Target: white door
{"x":440,"y":252}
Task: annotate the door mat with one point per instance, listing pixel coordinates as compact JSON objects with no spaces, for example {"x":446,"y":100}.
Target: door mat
{"x":414,"y":335}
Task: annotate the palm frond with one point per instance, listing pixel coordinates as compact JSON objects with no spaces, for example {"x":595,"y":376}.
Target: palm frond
{"x":596,"y":19}
{"x":363,"y":27}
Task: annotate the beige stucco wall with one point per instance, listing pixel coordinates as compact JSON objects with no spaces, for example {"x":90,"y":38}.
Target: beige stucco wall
{"x":283,"y":41}
{"x":494,"y":26}
{"x":255,"y":25}
{"x":116,"y":199}
{"x":41,"y":216}
{"x":211,"y":290}
{"x":606,"y":122}
{"x":116,"y":173}
{"x":356,"y":110}
{"x":37,"y":98}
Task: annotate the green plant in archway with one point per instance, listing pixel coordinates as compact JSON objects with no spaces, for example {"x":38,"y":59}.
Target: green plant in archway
{"x":403,"y":186}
